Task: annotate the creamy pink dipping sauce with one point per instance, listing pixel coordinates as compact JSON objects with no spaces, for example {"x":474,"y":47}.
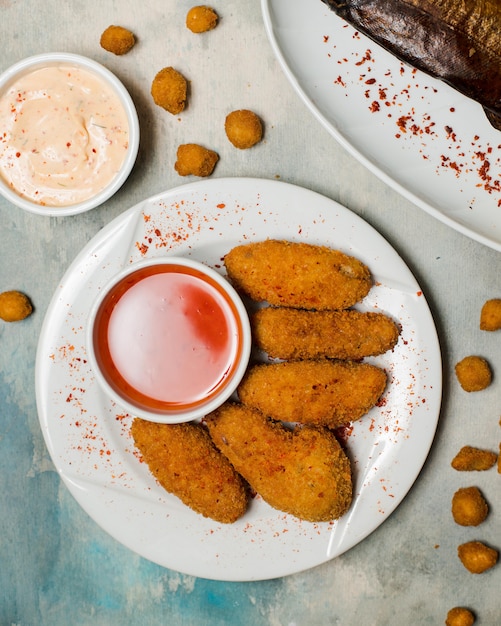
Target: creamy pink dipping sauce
{"x":64,"y":135}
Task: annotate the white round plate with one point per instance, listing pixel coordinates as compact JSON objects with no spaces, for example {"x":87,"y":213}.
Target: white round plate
{"x":420,"y":136}
{"x":88,"y":435}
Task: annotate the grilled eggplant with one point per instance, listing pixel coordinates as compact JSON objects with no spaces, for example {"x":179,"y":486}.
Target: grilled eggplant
{"x":457,"y":41}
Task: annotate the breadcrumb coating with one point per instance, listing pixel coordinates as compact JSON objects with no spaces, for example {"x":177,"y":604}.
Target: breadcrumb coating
{"x":201,"y":19}
{"x":473,"y":373}
{"x":471,"y":459}
{"x":469,"y":507}
{"x":195,"y":160}
{"x":14,"y":306}
{"x":304,"y":472}
{"x":490,"y":315}
{"x":117,"y":39}
{"x":169,"y":90}
{"x":298,"y":275}
{"x":243,"y":128}
{"x":477,"y":557}
{"x":460,"y":616}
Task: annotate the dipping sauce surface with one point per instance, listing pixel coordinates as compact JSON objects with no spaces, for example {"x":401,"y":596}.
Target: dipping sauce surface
{"x":167,"y":337}
{"x":64,"y":135}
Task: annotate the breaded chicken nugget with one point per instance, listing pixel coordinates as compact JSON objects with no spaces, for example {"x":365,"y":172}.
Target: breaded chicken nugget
{"x":473,"y":373}
{"x":304,"y":472}
{"x":14,"y":306}
{"x":297,"y":275}
{"x":327,"y":393}
{"x":243,"y":128}
{"x":490,"y":315}
{"x":201,"y":18}
{"x":169,"y":90}
{"x":117,"y":39}
{"x":195,"y":160}
{"x":286,"y":333}
{"x":469,"y":507}
{"x":460,"y":616}
{"x":186,"y":463}
{"x":471,"y":459}
{"x":477,"y":557}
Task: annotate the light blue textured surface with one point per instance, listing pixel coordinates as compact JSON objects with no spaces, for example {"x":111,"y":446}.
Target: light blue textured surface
{"x":57,"y":567}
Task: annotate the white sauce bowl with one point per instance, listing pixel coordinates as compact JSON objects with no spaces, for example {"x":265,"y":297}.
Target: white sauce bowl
{"x":48,"y":60}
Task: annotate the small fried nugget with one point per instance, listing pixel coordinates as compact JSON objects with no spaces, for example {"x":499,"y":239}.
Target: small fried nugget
{"x":286,"y":333}
{"x":477,"y":557}
{"x":490,"y":315}
{"x":323,"y":392}
{"x":243,"y":128}
{"x":304,"y":472}
{"x":186,"y":463}
{"x":195,"y":160}
{"x":471,"y":459}
{"x":469,"y":507}
{"x":473,"y":373}
{"x":460,"y":616}
{"x":117,"y":39}
{"x":169,"y":90}
{"x":298,"y":275}
{"x":201,"y":18}
{"x":14,"y":306}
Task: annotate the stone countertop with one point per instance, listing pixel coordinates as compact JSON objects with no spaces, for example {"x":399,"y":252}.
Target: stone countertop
{"x":58,"y":566}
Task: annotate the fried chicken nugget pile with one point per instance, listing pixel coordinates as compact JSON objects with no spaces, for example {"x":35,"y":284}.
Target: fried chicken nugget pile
{"x":323,"y":392}
{"x":304,"y":472}
{"x":184,"y":460}
{"x":286,"y":333}
{"x":298,"y":275}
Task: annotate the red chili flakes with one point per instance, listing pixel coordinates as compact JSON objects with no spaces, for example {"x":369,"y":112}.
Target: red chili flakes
{"x":374,"y":107}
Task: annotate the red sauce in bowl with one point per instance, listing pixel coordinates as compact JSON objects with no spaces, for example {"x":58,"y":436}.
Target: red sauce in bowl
{"x":167,"y":337}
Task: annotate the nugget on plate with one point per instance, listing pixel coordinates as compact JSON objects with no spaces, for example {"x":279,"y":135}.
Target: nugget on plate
{"x":477,"y":557}
{"x":195,"y":160}
{"x":14,"y":306}
{"x":243,"y":128}
{"x":469,"y":507}
{"x":471,"y":459}
{"x":473,"y":373}
{"x":460,"y":616}
{"x":186,"y":463}
{"x":286,"y":333}
{"x":117,"y":39}
{"x":490,"y":315}
{"x":304,"y":472}
{"x":323,"y":392}
{"x":201,"y":18}
{"x":169,"y":90}
{"x":298,"y":275}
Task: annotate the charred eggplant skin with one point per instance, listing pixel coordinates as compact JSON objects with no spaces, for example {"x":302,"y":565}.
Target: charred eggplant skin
{"x":457,"y":41}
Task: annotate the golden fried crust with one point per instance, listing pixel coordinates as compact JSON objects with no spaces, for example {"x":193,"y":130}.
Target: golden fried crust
{"x":469,"y":507}
{"x":169,"y":90}
{"x":477,"y":557}
{"x":201,"y":18}
{"x":459,"y":616}
{"x":490,"y":315}
{"x":286,"y":333}
{"x":243,"y":128}
{"x":473,"y":373}
{"x":305,"y":472}
{"x":195,"y":160}
{"x":298,"y":275}
{"x":117,"y":39}
{"x":186,"y":463}
{"x":328,"y":393}
{"x":470,"y":459}
{"x":14,"y":306}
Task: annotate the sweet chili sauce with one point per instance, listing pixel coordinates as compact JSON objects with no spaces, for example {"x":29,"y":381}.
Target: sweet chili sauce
{"x":167,"y":337}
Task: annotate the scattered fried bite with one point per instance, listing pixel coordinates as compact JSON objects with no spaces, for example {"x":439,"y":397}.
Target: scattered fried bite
{"x":195,"y":160}
{"x":286,"y":333}
{"x":490,"y":315}
{"x":460,"y":616}
{"x":323,"y":392}
{"x":169,"y":90}
{"x":471,"y":459}
{"x":304,"y":472}
{"x":243,"y":128}
{"x":298,"y":275}
{"x":14,"y":306}
{"x":186,"y":463}
{"x":117,"y":39}
{"x":201,"y":18}
{"x":469,"y":507}
{"x":473,"y":373}
{"x":477,"y":557}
